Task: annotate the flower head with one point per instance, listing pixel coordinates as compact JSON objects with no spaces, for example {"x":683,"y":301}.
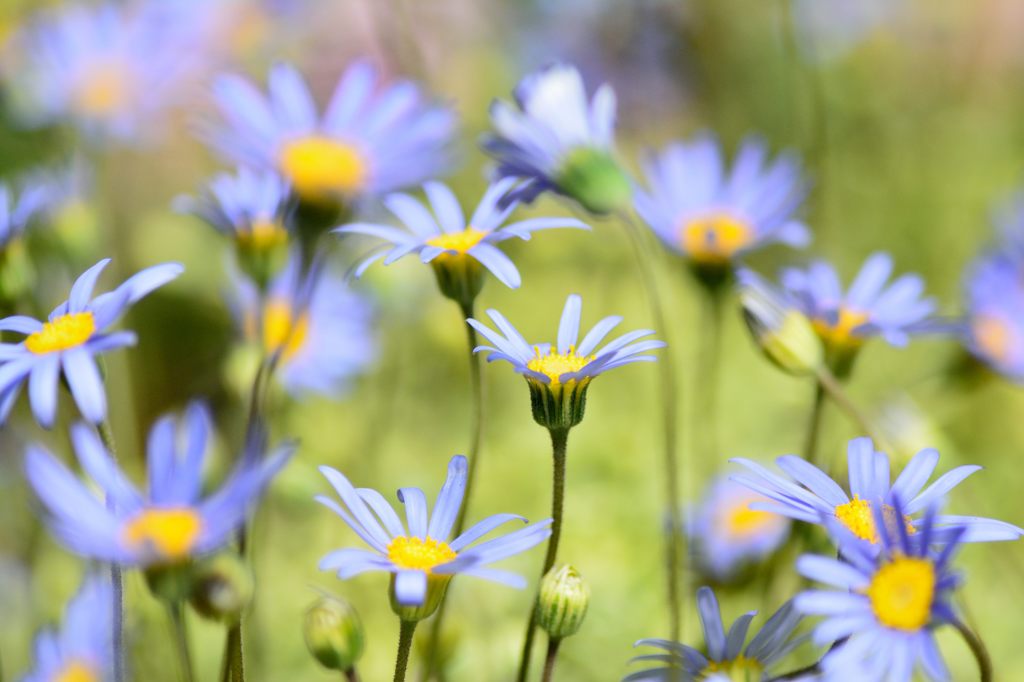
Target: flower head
{"x":368,"y":141}
{"x":558,"y":374}
{"x":886,"y":605}
{"x":168,"y":523}
{"x":67,"y":343}
{"x":555,"y":139}
{"x":726,"y":656}
{"x":81,"y":651}
{"x":806,"y":493}
{"x":420,"y":555}
{"x":455,"y":247}
{"x":712,"y":215}
{"x":728,"y":534}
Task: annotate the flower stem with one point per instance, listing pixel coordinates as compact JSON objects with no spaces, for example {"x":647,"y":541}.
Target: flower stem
{"x":116,"y":579}
{"x":810,"y":451}
{"x":559,"y":438}
{"x":707,"y":373}
{"x":977,"y":649}
{"x":835,"y":391}
{"x":549,"y":660}
{"x":405,"y":632}
{"x":176,"y":611}
{"x":232,"y":667}
{"x":351,"y":675}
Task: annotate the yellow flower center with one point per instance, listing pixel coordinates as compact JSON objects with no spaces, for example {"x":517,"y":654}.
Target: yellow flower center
{"x":993,"y":337}
{"x":740,"y":669}
{"x":555,"y":364}
{"x":62,"y":333}
{"x":841,"y":333}
{"x":740,"y":521}
{"x":280,"y":329}
{"x":715,"y":239}
{"x":76,"y":671}
{"x":902,"y":592}
{"x":418,"y":554}
{"x":320,"y":167}
{"x":262,"y":235}
{"x":172,"y":533}
{"x":103,"y":90}
{"x":859,"y":519}
{"x":460,"y":242}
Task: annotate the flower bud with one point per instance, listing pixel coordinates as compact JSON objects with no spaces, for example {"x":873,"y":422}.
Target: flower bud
{"x":782,"y":332}
{"x":333,"y":633}
{"x":562,"y":603}
{"x":594,"y":179}
{"x":222,"y":587}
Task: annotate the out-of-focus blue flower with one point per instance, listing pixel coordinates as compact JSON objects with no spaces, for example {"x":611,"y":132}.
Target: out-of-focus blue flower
{"x":171,"y":521}
{"x":322,"y":329}
{"x":726,"y":657}
{"x":18,"y":209}
{"x":713,"y":215}
{"x":993,"y":330}
{"x":421,"y":551}
{"x":446,"y":235}
{"x":110,"y":71}
{"x":368,"y":141}
{"x":728,"y":534}
{"x":806,"y":493}
{"x":81,"y":651}
{"x":555,"y":139}
{"x":67,"y":343}
{"x":886,"y":606}
{"x":870,"y":307}
{"x":249,"y":207}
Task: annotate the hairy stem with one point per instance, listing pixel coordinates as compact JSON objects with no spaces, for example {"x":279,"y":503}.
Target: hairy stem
{"x":549,"y":660}
{"x":405,"y":633}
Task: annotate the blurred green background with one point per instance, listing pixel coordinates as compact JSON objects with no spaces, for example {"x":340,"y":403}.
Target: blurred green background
{"x":910,"y":134}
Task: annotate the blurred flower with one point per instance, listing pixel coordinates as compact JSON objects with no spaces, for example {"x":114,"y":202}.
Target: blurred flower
{"x":82,"y":650}
{"x":558,"y":375}
{"x":726,"y":657}
{"x":806,"y":493}
{"x":713,"y":216}
{"x":556,"y":140}
{"x":368,"y":141}
{"x":322,"y":329}
{"x":168,"y":524}
{"x":67,"y":342}
{"x":885,"y":607}
{"x":16,"y":211}
{"x":729,"y":534}
{"x":783,"y":333}
{"x":456,"y":249}
{"x":422,"y":560}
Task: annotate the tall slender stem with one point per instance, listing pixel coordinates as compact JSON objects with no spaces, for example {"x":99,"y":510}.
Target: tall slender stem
{"x":176,"y":611}
{"x":810,"y":451}
{"x":549,"y":660}
{"x":559,"y":438}
{"x":405,"y":632}
{"x":977,"y":649}
{"x":116,"y":579}
{"x":707,"y":373}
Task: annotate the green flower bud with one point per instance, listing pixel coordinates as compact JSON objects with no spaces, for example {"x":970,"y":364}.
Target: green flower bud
{"x":594,"y":179}
{"x":783,"y":333}
{"x":437,"y":585}
{"x":222,"y":587}
{"x":562,"y":603}
{"x":460,"y":277}
{"x":333,"y":633}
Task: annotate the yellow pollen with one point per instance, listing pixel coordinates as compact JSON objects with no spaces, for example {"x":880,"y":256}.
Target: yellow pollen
{"x":172,"y":533}
{"x":902,"y":592}
{"x":740,"y":669}
{"x":841,"y":333}
{"x":320,"y":167}
{"x":993,"y":337}
{"x":740,"y":521}
{"x":62,"y":333}
{"x":76,"y":671}
{"x":423,"y":555}
{"x":281,"y":329}
{"x":103,"y":90}
{"x":460,"y":242}
{"x":555,"y":364}
{"x":262,"y":235}
{"x":859,"y":519}
{"x":715,"y":239}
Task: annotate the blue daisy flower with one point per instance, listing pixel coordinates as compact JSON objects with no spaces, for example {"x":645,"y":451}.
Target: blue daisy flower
{"x":446,"y":239}
{"x":18,"y":209}
{"x":886,"y":606}
{"x":67,"y":343}
{"x":555,"y":139}
{"x":870,"y":307}
{"x":323,"y":330}
{"x":558,"y":374}
{"x":249,"y":207}
{"x":420,"y":555}
{"x":806,"y":493}
{"x":727,"y":534}
{"x":171,"y":521}
{"x":81,"y":650}
{"x":713,"y":215}
{"x":727,"y":658}
{"x":368,"y":141}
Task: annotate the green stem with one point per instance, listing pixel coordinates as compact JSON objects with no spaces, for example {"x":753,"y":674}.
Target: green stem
{"x":176,"y":611}
{"x":559,"y":438}
{"x":549,"y":660}
{"x":232,"y":667}
{"x":351,"y":675}
{"x":977,"y":649}
{"x":405,"y":632}
{"x":708,"y":375}
{"x":116,"y":579}
{"x":814,"y":425}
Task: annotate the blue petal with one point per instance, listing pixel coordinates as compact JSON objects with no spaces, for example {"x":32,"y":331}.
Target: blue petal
{"x":449,"y":500}
{"x":711,"y":623}
{"x":410,"y":587}
{"x":81,"y":291}
{"x":86,"y":384}
{"x":569,"y":324}
{"x":42,"y":389}
{"x":415,"y":511}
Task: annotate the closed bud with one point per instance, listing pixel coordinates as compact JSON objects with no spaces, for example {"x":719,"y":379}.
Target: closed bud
{"x":783,"y":333}
{"x":333,"y":633}
{"x":562,"y":603}
{"x":222,"y":587}
{"x":594,"y":179}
